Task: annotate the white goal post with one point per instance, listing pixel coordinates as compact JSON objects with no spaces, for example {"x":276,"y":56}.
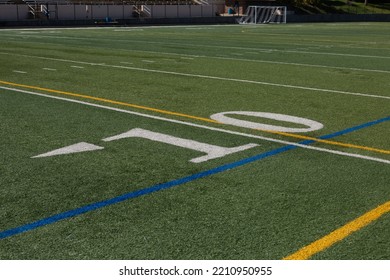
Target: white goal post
{"x":264,"y":14}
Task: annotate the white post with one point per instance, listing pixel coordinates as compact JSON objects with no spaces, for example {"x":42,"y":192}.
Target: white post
{"x":255,"y":11}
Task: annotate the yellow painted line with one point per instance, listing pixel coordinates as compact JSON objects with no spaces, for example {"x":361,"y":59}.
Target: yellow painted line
{"x":110,"y":101}
{"x":335,"y":143}
{"x":340,"y":233}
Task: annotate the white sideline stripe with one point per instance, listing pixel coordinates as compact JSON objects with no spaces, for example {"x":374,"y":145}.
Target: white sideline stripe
{"x":75,"y":66}
{"x":49,"y":69}
{"x":246,"y":81}
{"x":19,"y":72}
{"x":202,"y":126}
{"x":211,"y":77}
{"x":302,"y":64}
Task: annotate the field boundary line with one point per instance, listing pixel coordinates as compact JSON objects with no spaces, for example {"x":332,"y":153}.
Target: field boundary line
{"x":297,"y":136}
{"x":206,"y":76}
{"x":304,"y":144}
{"x":340,"y":233}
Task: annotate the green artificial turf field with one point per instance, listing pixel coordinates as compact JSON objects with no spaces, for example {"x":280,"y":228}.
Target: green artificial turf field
{"x":113,"y":145}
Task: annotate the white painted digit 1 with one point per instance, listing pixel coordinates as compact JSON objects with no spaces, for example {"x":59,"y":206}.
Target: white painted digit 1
{"x":310,"y":124}
{"x":211,"y":151}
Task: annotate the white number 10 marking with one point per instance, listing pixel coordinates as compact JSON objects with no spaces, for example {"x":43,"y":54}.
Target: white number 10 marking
{"x":211,"y":151}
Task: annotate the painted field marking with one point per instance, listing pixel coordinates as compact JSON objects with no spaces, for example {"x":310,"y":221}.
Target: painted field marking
{"x":75,"y":66}
{"x":340,"y":233}
{"x":49,"y":69}
{"x":208,"y":77}
{"x":247,"y":81}
{"x":211,"y":151}
{"x":324,"y":141}
{"x":19,"y":72}
{"x":303,"y":64}
{"x":131,"y":195}
{"x":75,"y":148}
{"x":310,"y":125}
{"x":305,"y":144}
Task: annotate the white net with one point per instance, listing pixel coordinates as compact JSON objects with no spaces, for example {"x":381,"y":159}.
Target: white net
{"x":264,"y":14}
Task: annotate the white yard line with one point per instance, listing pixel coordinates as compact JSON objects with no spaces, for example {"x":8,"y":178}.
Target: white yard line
{"x":202,"y":126}
{"x":209,"y":77}
{"x":248,"y":81}
{"x":303,"y":64}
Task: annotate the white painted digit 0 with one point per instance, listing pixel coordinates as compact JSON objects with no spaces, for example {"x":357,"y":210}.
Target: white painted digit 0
{"x":310,"y":124}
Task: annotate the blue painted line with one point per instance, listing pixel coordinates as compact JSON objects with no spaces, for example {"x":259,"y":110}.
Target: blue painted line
{"x":170,"y":184}
{"x":352,"y":129}
{"x":138,"y":193}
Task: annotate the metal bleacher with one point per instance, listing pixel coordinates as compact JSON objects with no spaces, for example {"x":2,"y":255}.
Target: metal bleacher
{"x":97,"y":10}
{"x":121,"y":2}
